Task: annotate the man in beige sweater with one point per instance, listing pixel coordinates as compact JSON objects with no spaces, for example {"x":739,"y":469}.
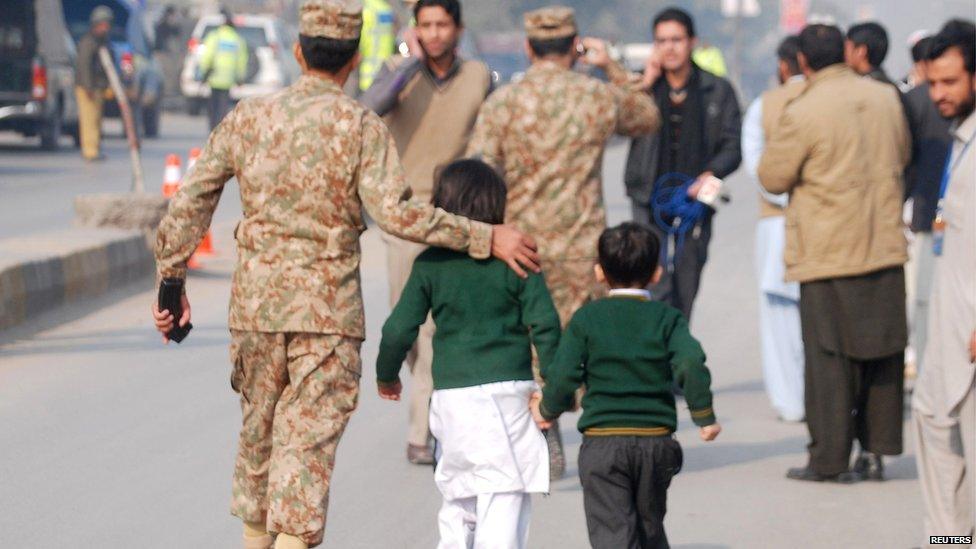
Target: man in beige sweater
{"x":430,"y":102}
{"x":839,"y":149}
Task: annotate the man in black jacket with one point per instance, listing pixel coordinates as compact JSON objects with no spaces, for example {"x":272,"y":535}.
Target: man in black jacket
{"x":699,"y":138}
{"x":930,"y":146}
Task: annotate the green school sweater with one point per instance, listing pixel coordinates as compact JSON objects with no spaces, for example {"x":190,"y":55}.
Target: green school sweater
{"x":486,"y":318}
{"x":628,"y":351}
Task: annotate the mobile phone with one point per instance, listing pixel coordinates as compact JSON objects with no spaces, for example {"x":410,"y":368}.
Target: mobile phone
{"x":170,"y":299}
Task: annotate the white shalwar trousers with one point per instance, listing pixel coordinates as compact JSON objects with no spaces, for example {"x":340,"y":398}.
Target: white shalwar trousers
{"x":487,"y":521}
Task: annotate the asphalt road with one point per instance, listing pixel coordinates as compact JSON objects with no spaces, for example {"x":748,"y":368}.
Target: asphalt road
{"x":110,"y":439}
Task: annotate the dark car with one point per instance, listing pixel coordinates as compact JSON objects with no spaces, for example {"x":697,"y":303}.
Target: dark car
{"x":37,"y":72}
{"x":141,"y":75}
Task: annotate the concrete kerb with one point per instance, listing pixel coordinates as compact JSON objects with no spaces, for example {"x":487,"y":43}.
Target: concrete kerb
{"x":42,"y":272}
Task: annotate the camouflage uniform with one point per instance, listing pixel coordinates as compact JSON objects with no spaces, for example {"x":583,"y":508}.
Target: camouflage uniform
{"x":307,"y":160}
{"x":546,"y":134}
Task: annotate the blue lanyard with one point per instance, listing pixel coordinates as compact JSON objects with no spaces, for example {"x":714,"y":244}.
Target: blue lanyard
{"x":949,"y":167}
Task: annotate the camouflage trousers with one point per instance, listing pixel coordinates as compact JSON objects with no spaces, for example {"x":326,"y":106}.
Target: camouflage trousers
{"x":298,"y":391}
{"x":571,"y":284}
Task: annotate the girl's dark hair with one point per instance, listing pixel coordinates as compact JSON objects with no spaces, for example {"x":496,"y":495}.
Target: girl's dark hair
{"x":472,"y":189}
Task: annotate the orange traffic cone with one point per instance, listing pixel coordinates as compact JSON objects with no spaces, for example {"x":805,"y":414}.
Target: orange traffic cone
{"x":206,"y":246}
{"x":192,"y":158}
{"x":171,"y":175}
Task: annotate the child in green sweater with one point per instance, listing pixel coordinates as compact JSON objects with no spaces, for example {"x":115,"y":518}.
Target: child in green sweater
{"x":629,"y":351}
{"x":490,"y":453}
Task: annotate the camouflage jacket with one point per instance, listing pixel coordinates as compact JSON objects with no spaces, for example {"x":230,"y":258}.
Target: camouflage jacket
{"x":307,"y":160}
{"x":546,"y":134}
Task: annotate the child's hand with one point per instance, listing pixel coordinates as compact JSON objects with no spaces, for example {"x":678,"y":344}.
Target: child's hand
{"x":534,"y":401}
{"x":390,"y":392}
{"x":709,"y":432}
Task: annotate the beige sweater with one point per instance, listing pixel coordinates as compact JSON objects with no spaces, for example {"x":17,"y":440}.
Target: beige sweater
{"x":432,"y":123}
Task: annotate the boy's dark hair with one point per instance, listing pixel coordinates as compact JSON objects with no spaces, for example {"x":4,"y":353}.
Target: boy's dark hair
{"x":472,"y":189}
{"x":788,"y":51}
{"x":822,"y":45}
{"x":551,"y":46}
{"x":452,"y":7}
{"x":960,"y":34}
{"x":873,"y":36}
{"x":327,"y":54}
{"x":677,"y":15}
{"x":628,"y":254}
{"x":921,"y":48}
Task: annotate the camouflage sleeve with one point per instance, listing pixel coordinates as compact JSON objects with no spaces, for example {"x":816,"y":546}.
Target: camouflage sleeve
{"x":637,"y":114}
{"x":486,"y":138}
{"x":192,"y":207}
{"x":382,"y":189}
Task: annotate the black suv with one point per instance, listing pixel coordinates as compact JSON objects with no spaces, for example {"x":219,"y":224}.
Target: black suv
{"x":37,"y":76}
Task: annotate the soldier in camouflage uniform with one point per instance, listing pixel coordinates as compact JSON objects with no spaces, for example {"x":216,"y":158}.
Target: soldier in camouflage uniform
{"x":546,"y":134}
{"x":307,"y":160}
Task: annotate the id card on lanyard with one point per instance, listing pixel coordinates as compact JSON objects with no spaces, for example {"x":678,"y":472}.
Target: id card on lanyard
{"x":939,"y":225}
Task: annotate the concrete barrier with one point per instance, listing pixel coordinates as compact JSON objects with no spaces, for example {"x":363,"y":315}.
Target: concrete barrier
{"x":44,"y":271}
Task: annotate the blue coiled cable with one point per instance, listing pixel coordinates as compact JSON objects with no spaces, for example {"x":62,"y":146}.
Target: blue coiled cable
{"x":670,"y":200}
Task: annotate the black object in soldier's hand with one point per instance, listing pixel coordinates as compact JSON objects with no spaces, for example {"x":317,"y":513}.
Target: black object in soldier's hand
{"x":170,"y":299}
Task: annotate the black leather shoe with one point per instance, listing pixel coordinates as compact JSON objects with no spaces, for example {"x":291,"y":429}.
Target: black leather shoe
{"x":808,"y":474}
{"x":870,"y":466}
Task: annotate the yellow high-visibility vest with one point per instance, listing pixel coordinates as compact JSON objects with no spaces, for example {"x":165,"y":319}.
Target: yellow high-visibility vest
{"x":378,"y":41}
{"x":224,"y":58}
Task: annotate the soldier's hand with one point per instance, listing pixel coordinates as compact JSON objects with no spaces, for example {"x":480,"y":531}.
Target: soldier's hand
{"x":652,"y":70}
{"x":164,"y":319}
{"x":516,"y":249}
{"x":596,"y":52}
{"x":390,"y":392}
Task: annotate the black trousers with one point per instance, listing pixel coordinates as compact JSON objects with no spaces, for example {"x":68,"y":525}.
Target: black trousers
{"x":854,"y":334}
{"x":219,"y":105}
{"x":679,"y":287}
{"x":625,"y":488}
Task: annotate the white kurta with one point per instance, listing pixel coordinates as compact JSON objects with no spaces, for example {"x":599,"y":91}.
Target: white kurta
{"x":779,"y":322}
{"x":487,"y":442}
{"x":779,"y":301}
{"x":944,"y":400}
{"x":952,"y":306}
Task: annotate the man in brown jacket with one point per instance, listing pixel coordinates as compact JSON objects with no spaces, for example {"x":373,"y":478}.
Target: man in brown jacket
{"x":430,"y":102}
{"x":839,"y":149}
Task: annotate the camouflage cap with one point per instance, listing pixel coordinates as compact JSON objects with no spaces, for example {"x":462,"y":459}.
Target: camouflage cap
{"x":550,"y":22}
{"x":337,"y":19}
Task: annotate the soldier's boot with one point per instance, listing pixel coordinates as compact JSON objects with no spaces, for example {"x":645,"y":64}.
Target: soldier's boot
{"x":256,"y":536}
{"x":260,"y":542}
{"x":557,"y":458}
{"x":288,"y":541}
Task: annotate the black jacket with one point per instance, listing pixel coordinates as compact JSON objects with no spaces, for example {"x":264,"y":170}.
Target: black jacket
{"x":930,"y":146}
{"x":723,"y":129}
